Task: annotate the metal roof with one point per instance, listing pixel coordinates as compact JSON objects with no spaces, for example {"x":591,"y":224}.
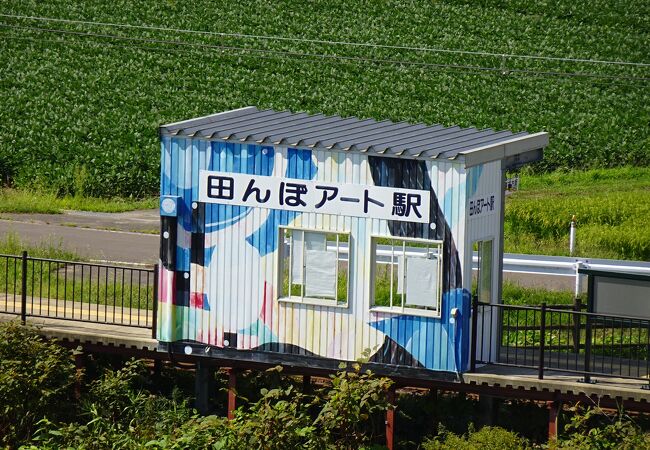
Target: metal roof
{"x":369,"y":136}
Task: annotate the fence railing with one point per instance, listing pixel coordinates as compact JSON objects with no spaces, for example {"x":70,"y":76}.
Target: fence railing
{"x":80,"y":291}
{"x":561,"y":340}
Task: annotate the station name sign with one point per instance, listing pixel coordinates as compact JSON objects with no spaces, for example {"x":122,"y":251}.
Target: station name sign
{"x":482,"y":206}
{"x":291,"y":194}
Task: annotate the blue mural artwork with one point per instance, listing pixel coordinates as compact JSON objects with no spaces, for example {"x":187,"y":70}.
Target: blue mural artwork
{"x":300,"y":166}
{"x":232,"y":287}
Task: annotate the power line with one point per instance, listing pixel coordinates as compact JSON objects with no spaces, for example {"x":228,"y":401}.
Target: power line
{"x":330,"y":42}
{"x":328,"y":57}
{"x":112,"y":45}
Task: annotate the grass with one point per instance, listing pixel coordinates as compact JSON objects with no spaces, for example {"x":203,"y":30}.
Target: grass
{"x":609,"y":338}
{"x":514,"y":294}
{"x":30,"y":201}
{"x":81,"y":112}
{"x":612,"y":209}
{"x":521,"y":328}
{"x":11,"y":244}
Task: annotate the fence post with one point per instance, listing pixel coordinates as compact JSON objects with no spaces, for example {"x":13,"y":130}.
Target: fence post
{"x":587,"y":377}
{"x":154,"y":312}
{"x":590,"y":309}
{"x":542,"y":342}
{"x":23,"y":294}
{"x":577,"y":308}
{"x":472,"y":363}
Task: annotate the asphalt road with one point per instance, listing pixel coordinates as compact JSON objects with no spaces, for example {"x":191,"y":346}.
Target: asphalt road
{"x":126,"y":237}
{"x":95,"y":244}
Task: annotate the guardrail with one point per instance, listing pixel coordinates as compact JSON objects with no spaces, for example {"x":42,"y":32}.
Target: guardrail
{"x":561,"y":340}
{"x":80,"y":291}
{"x":562,"y":266}
{"x":532,"y":264}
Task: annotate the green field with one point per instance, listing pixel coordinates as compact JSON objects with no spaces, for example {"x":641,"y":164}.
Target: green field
{"x":612,"y":209}
{"x":80,"y":112}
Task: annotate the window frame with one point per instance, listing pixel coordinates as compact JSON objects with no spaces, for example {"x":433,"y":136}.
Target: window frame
{"x":479,"y":254}
{"x":403,"y":309}
{"x":304,"y":300}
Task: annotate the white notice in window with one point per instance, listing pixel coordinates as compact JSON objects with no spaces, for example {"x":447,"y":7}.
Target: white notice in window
{"x":313,"y":241}
{"x":421,"y":282}
{"x":320,"y":274}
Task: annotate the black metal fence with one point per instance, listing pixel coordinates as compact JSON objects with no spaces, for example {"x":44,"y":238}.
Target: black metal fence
{"x":80,"y":291}
{"x":561,"y":340}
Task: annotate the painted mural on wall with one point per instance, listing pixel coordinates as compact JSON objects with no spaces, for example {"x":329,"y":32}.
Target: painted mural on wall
{"x":218,"y":281}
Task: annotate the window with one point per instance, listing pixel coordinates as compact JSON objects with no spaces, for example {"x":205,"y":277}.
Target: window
{"x":313,"y":267}
{"x":482,"y":284}
{"x":407,"y":275}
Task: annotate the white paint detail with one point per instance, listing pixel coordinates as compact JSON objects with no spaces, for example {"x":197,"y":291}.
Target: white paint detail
{"x":168,"y":205}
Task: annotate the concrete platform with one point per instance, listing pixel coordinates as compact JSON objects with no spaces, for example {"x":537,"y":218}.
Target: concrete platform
{"x":559,"y":382}
{"x":91,"y":333}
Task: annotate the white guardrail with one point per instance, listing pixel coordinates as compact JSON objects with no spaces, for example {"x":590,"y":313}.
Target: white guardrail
{"x":566,"y":266}
{"x":563,"y":266}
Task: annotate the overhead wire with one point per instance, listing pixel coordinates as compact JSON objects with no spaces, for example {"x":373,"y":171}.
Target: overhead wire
{"x":327,"y":56}
{"x":111,"y":45}
{"x":329,"y":42}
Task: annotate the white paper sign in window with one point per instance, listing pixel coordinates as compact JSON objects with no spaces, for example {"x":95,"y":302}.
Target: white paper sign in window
{"x":400,"y":274}
{"x":320,"y":274}
{"x":421,"y":282}
{"x":312,"y":241}
{"x":312,"y":268}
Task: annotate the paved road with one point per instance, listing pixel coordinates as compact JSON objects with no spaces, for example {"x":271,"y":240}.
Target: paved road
{"x":96,"y":244}
{"x":88,"y":235}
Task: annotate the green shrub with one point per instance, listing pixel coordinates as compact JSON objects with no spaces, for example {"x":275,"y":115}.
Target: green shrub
{"x":117,"y":412}
{"x":354,"y":406}
{"x":196,"y":433}
{"x":36,"y":380}
{"x":590,"y":429}
{"x":279,"y":420}
{"x":487,"y":438}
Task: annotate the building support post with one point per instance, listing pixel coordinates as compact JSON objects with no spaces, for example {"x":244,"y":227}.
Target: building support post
{"x":232,"y":393}
{"x":390,"y":419}
{"x":203,"y":387}
{"x":553,"y":413}
{"x":157,"y":368}
{"x":306,"y":384}
{"x":489,"y":407}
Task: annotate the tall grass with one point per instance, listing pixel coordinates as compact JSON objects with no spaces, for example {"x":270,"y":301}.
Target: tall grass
{"x":43,"y":202}
{"x":514,"y":294}
{"x":612,"y":209}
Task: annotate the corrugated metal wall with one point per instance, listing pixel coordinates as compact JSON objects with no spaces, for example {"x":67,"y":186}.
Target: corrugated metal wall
{"x":485,"y":181}
{"x":221,"y":288}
